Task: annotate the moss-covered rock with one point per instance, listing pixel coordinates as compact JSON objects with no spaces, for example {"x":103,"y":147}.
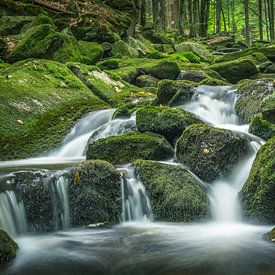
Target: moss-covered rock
{"x":77,"y":51}
{"x":185,"y":56}
{"x":174,"y":92}
{"x":268,"y":107}
{"x":197,"y":49}
{"x":176,"y":196}
{"x":121,"y":48}
{"x":166,"y":121}
{"x":156,"y":37}
{"x":8,"y":247}
{"x":209,"y":152}
{"x":37,"y":42}
{"x":262,"y":128}
{"x":213,"y":82}
{"x":193,"y":75}
{"x":109,"y":64}
{"x":144,"y":80}
{"x":48,"y":98}
{"x":258,"y":193}
{"x":271,"y":235}
{"x":252,"y":93}
{"x":130,"y":147}
{"x":163,"y":70}
{"x":94,"y":193}
{"x":235,"y":70}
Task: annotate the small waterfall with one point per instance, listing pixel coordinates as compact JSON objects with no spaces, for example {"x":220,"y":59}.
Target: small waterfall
{"x":61,"y":185}
{"x":215,"y":105}
{"x":12,"y":214}
{"x":136,"y":205}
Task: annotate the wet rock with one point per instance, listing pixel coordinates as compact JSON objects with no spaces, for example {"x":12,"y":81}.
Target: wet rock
{"x":146,"y":81}
{"x":209,"y":152}
{"x":176,"y":196}
{"x":174,"y":92}
{"x":94,"y":193}
{"x":262,"y":128}
{"x":271,"y":235}
{"x":235,"y":70}
{"x":258,"y":193}
{"x":251,"y":94}
{"x":213,"y":82}
{"x":130,"y":147}
{"x":8,"y":248}
{"x":166,"y":121}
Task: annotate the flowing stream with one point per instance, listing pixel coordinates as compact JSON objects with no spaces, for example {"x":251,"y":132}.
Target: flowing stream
{"x":224,"y":245}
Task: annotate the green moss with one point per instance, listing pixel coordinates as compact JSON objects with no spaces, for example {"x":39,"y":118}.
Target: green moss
{"x":166,"y":121}
{"x":144,"y":80}
{"x":38,"y":42}
{"x":121,"y":48}
{"x":209,"y":152}
{"x":130,"y":147}
{"x":213,"y":82}
{"x":271,"y":235}
{"x":8,"y":247}
{"x":251,"y":96}
{"x":48,"y":98}
{"x":268,"y":107}
{"x":259,"y":189}
{"x":109,"y":64}
{"x":173,"y":92}
{"x":262,"y":128}
{"x":94,"y":193}
{"x":154,"y":55}
{"x":235,"y":70}
{"x":186,"y":57}
{"x":174,"y":193}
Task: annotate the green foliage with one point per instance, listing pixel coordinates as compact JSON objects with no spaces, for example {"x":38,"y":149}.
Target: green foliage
{"x":209,"y":152}
{"x":174,"y":193}
{"x":8,"y":247}
{"x":94,"y":193}
{"x":130,"y":147}
{"x":166,"y":121}
{"x":259,"y":189}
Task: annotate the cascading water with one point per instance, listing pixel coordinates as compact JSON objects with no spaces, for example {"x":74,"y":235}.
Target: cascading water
{"x":215,"y":106}
{"x":136,"y":205}
{"x":12,"y":214}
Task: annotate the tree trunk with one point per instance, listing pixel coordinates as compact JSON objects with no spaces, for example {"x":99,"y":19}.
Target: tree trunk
{"x":143,"y":13}
{"x":247,"y":25}
{"x":218,"y":16}
{"x":270,"y":6}
{"x":260,"y":3}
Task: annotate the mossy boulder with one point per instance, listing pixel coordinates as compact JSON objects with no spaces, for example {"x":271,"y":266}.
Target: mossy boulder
{"x":209,"y":152}
{"x":40,"y":101}
{"x":37,"y":42}
{"x":174,"y":92}
{"x":109,"y":64}
{"x":8,"y":247}
{"x":209,"y":81}
{"x":163,"y":70}
{"x":235,"y":70}
{"x":77,"y":51}
{"x":121,"y":48}
{"x":144,"y":80}
{"x":94,"y":193}
{"x":262,"y":128}
{"x":251,"y":94}
{"x":271,"y":235}
{"x":193,"y":75}
{"x":176,"y":196}
{"x":166,"y":121}
{"x":156,"y":37}
{"x":258,"y":193}
{"x":130,"y":147}
{"x":268,"y":107}
{"x":198,"y":49}
{"x":185,"y":56}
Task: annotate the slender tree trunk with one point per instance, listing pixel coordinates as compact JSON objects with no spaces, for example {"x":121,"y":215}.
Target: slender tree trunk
{"x":266,"y":20}
{"x":218,"y":16}
{"x":260,"y":4}
{"x":224,"y":21}
{"x":270,"y":7}
{"x":162,"y":15}
{"x":247,"y":25}
{"x":228,"y":15}
{"x":143,"y":9}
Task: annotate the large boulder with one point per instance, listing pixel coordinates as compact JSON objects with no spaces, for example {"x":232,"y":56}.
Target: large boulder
{"x":174,"y":92}
{"x":251,"y":94}
{"x":40,"y":101}
{"x":94,"y":193}
{"x":258,"y":193}
{"x":197,"y":49}
{"x":166,"y":121}
{"x":235,"y":70}
{"x":37,"y":42}
{"x":209,"y":152}
{"x":8,"y":248}
{"x":176,"y":196}
{"x":163,"y":70}
{"x":271,"y":235}
{"x":262,"y":128}
{"x":130,"y":147}
{"x":121,"y":48}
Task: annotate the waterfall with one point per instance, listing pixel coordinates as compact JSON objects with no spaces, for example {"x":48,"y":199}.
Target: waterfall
{"x":136,"y":206}
{"x":12,"y":214}
{"x":215,"y":105}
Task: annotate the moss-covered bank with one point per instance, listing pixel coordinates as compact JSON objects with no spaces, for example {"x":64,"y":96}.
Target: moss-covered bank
{"x":8,"y":248}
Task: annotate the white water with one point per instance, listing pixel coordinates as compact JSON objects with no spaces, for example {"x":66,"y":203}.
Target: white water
{"x":215,"y":105}
{"x":12,"y":214}
{"x":136,"y":205}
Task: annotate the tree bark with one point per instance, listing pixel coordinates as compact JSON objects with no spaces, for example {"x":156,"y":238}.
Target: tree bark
{"x":247,"y":25}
